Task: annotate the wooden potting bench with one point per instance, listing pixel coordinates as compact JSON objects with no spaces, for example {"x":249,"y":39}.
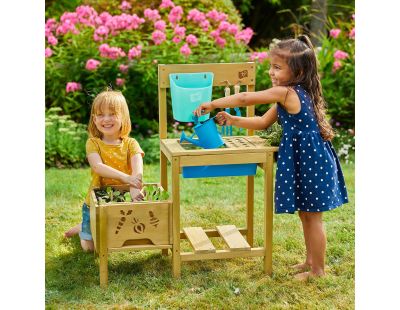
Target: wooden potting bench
{"x":238,"y":150}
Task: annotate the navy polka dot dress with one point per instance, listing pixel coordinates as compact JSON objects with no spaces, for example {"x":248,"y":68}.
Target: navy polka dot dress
{"x":308,"y":175}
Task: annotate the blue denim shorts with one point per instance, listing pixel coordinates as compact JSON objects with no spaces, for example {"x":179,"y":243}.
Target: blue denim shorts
{"x":85,"y":233}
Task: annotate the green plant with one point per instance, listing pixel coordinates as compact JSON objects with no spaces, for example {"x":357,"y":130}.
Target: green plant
{"x":272,"y":134}
{"x":344,"y":144}
{"x":112,"y":195}
{"x":153,"y":192}
{"x":64,"y":141}
{"x":150,"y":192}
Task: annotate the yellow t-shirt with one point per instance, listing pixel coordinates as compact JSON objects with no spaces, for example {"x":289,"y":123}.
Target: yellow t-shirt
{"x":116,"y":156}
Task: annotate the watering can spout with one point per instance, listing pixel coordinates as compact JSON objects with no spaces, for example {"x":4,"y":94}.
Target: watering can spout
{"x":186,"y":138}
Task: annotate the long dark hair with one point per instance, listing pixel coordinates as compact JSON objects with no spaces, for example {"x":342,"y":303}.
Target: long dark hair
{"x":300,"y":57}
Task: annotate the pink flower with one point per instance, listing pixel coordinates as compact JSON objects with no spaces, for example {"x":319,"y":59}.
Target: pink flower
{"x":120,"y":81}
{"x":86,"y":15}
{"x":92,"y":64}
{"x":160,"y":25}
{"x":353,"y":16}
{"x":334,"y":33}
{"x":352,"y":33}
{"x":52,"y":40}
{"x":125,"y":5}
{"x":151,"y":14}
{"x":101,"y":33}
{"x":259,"y":56}
{"x":158,"y":37}
{"x":102,"y":30}
{"x":50,"y":26}
{"x":216,"y":16}
{"x":111,"y":52}
{"x":223,"y":26}
{"x":72,"y":87}
{"x":205,"y":24}
{"x":244,"y":35}
{"x":192,"y":40}
{"x":66,"y":27}
{"x":135,"y":22}
{"x":233,"y":29}
{"x":179,"y":31}
{"x":123,"y":68}
{"x":135,"y":52}
{"x":175,"y":14}
{"x":196,"y":16}
{"x":340,"y":55}
{"x":215,"y":34}
{"x":48,"y":52}
{"x":185,"y":50}
{"x":336,"y":65}
{"x":155,"y":61}
{"x":176,"y":39}
{"x":220,"y":42}
{"x":166,"y":4}
{"x":103,"y":18}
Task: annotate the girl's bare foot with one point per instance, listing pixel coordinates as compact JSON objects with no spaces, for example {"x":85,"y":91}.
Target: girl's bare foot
{"x":304,"y":276}
{"x":301,"y":267}
{"x":72,"y":231}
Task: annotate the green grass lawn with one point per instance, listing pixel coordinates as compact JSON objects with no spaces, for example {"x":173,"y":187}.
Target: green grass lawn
{"x":143,"y":278}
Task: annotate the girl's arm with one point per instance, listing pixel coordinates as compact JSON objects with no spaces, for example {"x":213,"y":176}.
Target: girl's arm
{"x":137,"y":175}
{"x":105,"y":171}
{"x":257,"y":123}
{"x":271,"y":95}
{"x":137,"y":169}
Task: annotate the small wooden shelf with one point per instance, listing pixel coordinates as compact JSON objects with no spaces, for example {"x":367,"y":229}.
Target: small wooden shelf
{"x":199,"y":240}
{"x":233,"y":238}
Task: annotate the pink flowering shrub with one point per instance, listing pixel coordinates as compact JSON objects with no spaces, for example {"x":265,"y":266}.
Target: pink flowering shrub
{"x":337,"y":65}
{"x":118,"y":44}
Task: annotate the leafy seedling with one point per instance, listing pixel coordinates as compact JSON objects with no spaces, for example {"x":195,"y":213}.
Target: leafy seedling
{"x":150,"y":193}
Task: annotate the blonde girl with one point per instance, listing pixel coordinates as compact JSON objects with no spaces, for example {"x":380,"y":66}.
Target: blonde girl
{"x":113,"y":156}
{"x":309,"y":178}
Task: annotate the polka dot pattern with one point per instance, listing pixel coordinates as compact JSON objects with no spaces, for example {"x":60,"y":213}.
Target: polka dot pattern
{"x":309,"y":177}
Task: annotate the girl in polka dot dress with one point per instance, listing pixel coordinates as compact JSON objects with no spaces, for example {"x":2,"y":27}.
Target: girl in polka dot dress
{"x":308,"y":177}
{"x":114,"y":157}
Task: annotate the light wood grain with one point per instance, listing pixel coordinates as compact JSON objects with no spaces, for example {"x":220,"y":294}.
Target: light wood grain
{"x":233,"y":238}
{"x":199,"y":240}
{"x":222,"y":254}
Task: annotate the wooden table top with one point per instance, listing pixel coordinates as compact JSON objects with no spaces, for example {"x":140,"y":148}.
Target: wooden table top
{"x":233,"y":145}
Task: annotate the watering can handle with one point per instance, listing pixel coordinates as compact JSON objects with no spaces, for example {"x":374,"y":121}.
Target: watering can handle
{"x":195,"y":119}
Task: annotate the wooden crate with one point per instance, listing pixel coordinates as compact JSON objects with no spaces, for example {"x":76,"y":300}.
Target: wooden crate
{"x":131,"y":225}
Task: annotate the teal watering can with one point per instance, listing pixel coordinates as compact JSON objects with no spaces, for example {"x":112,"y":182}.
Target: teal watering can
{"x":207,"y":133}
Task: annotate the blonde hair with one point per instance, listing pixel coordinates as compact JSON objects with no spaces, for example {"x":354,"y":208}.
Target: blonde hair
{"x":116,"y":103}
{"x":302,"y":61}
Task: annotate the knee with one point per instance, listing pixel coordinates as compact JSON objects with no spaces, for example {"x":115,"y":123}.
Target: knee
{"x":87,"y":245}
{"x":313,"y":218}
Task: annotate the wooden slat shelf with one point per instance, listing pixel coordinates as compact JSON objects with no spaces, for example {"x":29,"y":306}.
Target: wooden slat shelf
{"x":233,"y":238}
{"x":199,"y":240}
{"x":222,"y":254}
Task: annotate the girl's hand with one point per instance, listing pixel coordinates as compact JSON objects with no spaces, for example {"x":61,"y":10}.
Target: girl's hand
{"x":224,"y":118}
{"x":134,"y":180}
{"x":203,"y":108}
{"x":136,"y":194}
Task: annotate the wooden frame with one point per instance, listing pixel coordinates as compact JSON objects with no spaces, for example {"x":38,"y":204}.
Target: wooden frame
{"x":129,"y":226}
{"x":255,"y":152}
